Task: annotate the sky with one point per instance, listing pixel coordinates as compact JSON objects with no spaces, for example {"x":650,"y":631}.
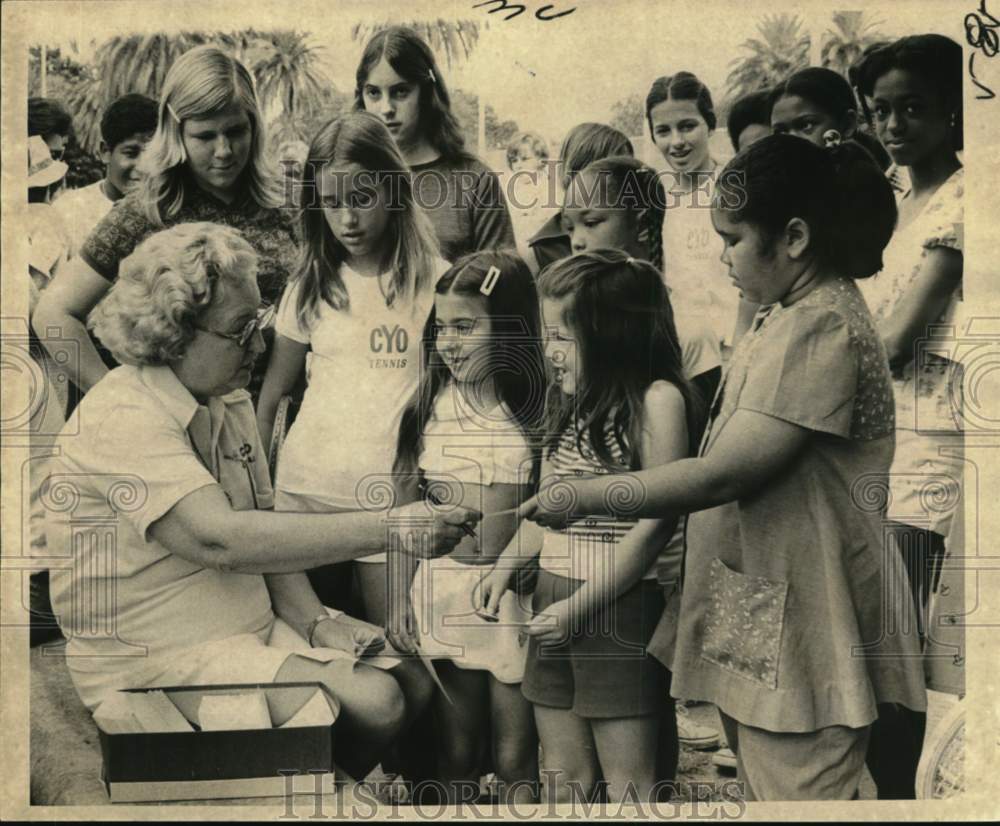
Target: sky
{"x":544,"y":75}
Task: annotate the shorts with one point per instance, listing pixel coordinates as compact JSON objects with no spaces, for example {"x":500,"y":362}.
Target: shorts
{"x":603,"y":670}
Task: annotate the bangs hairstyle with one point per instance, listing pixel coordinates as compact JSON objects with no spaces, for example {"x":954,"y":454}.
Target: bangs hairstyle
{"x":412,"y":59}
{"x":936,"y":59}
{"x":622,"y":319}
{"x":589,"y":142}
{"x":203,"y":82}
{"x":410,"y":249}
{"x":841,"y":194}
{"x":129,"y":115}
{"x":148,"y":316}
{"x":627,"y":183}
{"x":516,"y":363}
{"x":681,"y":86}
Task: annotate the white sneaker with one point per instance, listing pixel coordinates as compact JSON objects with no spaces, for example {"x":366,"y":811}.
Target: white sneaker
{"x":692,"y":734}
{"x":724,"y":759}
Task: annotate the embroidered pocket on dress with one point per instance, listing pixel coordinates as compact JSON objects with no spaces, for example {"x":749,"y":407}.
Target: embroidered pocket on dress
{"x":743,"y":623}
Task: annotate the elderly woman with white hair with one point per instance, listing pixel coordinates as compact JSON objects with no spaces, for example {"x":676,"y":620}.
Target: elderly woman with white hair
{"x":203,"y":579}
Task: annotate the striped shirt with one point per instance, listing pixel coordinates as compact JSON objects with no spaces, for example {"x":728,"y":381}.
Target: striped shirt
{"x":584,"y":550}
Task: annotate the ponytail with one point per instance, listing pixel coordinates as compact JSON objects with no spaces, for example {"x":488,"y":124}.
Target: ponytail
{"x":866,"y":211}
{"x":839,"y":191}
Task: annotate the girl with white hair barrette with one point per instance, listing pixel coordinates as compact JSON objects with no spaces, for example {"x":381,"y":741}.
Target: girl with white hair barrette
{"x":206,"y":581}
{"x":205,"y":162}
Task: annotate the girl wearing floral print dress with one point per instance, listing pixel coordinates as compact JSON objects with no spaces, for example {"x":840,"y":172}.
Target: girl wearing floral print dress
{"x":791,"y":618}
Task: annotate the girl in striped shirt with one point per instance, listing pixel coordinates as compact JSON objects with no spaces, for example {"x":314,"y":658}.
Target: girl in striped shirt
{"x":619,"y":402}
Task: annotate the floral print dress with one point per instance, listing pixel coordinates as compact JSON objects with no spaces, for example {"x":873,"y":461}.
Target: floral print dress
{"x":792,"y":617}
{"x":927,"y":469}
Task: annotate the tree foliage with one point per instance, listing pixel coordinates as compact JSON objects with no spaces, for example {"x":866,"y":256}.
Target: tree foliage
{"x":629,"y":115}
{"x":851,"y":33}
{"x":781,"y":48}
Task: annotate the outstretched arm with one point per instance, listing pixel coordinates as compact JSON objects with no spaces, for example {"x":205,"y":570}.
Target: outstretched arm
{"x":751,"y":449}
{"x":203,"y":528}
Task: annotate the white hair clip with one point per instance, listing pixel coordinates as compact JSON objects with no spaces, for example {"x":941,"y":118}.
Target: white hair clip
{"x":630,"y":260}
{"x":173,"y":114}
{"x":430,"y":74}
{"x":831,"y":138}
{"x":492,"y":276}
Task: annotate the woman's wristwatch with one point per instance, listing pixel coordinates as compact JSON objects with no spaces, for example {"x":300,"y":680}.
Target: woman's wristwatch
{"x":328,"y":614}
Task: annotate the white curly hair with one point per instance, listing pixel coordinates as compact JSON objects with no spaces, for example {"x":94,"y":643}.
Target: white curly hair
{"x":148,"y":316}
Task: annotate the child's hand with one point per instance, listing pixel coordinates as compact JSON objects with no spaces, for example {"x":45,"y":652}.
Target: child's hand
{"x":553,"y":624}
{"x":491,"y":589}
{"x":556,"y":505}
{"x":348,"y":634}
{"x":402,"y":626}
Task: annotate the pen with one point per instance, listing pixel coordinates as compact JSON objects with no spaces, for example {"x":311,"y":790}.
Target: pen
{"x":433,"y":499}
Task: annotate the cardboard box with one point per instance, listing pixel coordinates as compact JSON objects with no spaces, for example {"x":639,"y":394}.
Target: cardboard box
{"x":208,"y":765}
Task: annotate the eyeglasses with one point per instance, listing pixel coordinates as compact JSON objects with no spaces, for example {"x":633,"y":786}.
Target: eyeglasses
{"x":263,"y":319}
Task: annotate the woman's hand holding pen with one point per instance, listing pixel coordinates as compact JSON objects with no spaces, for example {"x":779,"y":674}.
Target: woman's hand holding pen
{"x":426,"y":532}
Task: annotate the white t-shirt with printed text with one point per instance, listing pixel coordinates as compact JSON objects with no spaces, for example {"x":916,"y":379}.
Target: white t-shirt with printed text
{"x":363,"y":367}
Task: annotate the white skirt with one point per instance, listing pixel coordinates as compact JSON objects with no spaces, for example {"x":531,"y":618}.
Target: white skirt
{"x":448,"y":627}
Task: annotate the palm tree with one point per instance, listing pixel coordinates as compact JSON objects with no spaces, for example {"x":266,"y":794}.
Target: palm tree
{"x":136,"y":63}
{"x":454,"y":39}
{"x":289,"y":77}
{"x":87,"y":102}
{"x":843,"y":44}
{"x":139,"y":62}
{"x":781,"y":49}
